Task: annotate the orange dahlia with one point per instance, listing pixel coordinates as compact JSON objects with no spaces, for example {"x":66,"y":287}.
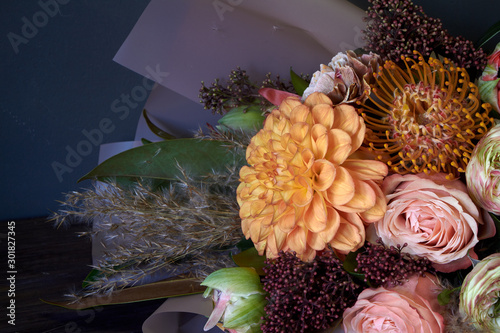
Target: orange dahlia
{"x":302,"y":190}
{"x":425,"y":117}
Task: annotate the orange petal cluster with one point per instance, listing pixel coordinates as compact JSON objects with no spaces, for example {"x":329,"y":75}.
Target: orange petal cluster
{"x":301,"y":190}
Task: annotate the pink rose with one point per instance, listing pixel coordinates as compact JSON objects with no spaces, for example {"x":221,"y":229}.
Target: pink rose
{"x":434,"y":216}
{"x":412,"y":307}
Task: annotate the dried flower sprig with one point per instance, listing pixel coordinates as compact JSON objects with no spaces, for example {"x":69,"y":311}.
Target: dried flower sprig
{"x":305,"y":297}
{"x":396,"y":28}
{"x":145,"y":232}
{"x":239,"y":90}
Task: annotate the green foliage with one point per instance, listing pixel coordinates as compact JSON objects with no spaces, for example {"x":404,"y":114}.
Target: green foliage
{"x":167,"y":160}
{"x":155,"y":129}
{"x":250,"y":258}
{"x":299,"y":84}
{"x":444,"y":297}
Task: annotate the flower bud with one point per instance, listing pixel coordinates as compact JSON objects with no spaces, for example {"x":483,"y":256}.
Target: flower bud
{"x":239,"y":299}
{"x":245,"y":118}
{"x":489,"y":82}
{"x":483,"y":172}
{"x":480,"y":294}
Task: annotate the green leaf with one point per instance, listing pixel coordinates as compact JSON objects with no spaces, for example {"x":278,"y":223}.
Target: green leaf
{"x":246,"y":118}
{"x":490,"y":33}
{"x":350,"y":264}
{"x":244,"y":244}
{"x":94,"y":275}
{"x":250,"y":258}
{"x":145,"y":141}
{"x":155,"y":129}
{"x":444,"y":297}
{"x":299,"y":84}
{"x":161,"y":160}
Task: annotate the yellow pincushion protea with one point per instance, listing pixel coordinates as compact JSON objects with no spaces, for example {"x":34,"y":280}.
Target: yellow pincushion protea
{"x":301,"y":190}
{"x":425,"y":117}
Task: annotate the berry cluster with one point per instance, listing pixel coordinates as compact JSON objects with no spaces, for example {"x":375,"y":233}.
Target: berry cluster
{"x":396,"y":28}
{"x":389,"y":266}
{"x":305,"y":297}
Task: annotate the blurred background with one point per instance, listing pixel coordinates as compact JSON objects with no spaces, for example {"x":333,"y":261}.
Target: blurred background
{"x":59,"y":83}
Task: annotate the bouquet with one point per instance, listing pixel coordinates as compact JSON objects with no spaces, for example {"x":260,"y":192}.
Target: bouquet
{"x":363,"y":196}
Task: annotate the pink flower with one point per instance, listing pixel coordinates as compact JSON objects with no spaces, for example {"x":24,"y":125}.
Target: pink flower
{"x":412,"y":307}
{"x":489,"y":82}
{"x":434,"y":216}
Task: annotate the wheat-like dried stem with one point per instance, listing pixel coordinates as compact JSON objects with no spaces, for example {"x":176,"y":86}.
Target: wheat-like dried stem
{"x":186,"y":228}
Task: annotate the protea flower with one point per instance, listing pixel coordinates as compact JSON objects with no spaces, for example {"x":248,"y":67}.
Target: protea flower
{"x":302,"y":190}
{"x":483,"y":172}
{"x":480,"y":294}
{"x":346,"y":79}
{"x":424,"y":117}
{"x":239,"y":299}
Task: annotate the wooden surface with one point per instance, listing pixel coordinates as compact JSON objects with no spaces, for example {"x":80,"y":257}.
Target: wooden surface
{"x":51,"y":262}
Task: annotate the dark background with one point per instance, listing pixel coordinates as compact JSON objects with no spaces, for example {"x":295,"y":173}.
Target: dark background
{"x":63,"y":81}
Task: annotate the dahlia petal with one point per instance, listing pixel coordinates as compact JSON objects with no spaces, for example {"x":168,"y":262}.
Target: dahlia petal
{"x":245,"y":209}
{"x":280,"y":238}
{"x":286,"y":222}
{"x":364,"y":198}
{"x":317,"y":98}
{"x":339,"y":143}
{"x":254,"y":229}
{"x":342,"y":189}
{"x":315,"y":214}
{"x":286,"y":107}
{"x":296,"y":240}
{"x":300,"y":114}
{"x":261,"y":248}
{"x":299,"y":132}
{"x":308,"y":255}
{"x":323,"y":114}
{"x":315,"y":242}
{"x":359,"y":136}
{"x":366,"y":169}
{"x":319,"y":140}
{"x":324,"y":175}
{"x":347,"y":119}
{"x":271,"y":245}
{"x":351,"y":234}
{"x":377,"y":212}
{"x":332,"y":225}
